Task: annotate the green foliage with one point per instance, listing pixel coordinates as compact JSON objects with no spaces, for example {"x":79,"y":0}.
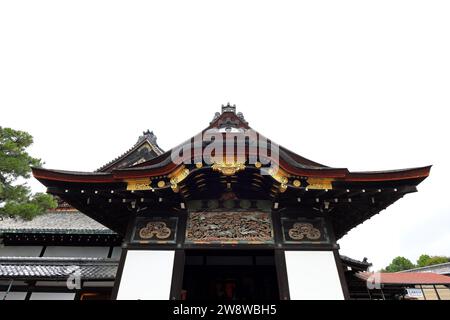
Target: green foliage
{"x":425,"y":260}
{"x":399,"y":264}
{"x":16,"y":199}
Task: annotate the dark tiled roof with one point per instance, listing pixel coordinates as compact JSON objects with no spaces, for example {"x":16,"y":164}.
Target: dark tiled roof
{"x":350,"y":261}
{"x":55,"y":222}
{"x":58,"y":268}
{"x":147,"y":137}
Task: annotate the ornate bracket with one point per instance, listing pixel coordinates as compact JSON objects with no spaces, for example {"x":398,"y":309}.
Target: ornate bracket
{"x":177,"y":176}
{"x":281,"y":177}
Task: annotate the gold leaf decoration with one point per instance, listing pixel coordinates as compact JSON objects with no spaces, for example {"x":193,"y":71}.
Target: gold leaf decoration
{"x":228,"y":169}
{"x":138,"y":184}
{"x":301,"y":230}
{"x":157,"y":229}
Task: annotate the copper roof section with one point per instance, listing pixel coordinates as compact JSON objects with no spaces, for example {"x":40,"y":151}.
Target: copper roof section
{"x":405,"y":278}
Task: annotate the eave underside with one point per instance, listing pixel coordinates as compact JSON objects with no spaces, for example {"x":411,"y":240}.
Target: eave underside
{"x":348,"y":203}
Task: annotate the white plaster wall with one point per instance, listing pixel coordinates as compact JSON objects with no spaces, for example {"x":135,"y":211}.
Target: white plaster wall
{"x":52,"y":296}
{"x":62,"y":251}
{"x":20,"y":251}
{"x":95,"y":284}
{"x":12,"y":295}
{"x":147,"y":275}
{"x":313,"y":275}
{"x":117,"y":251}
{"x":51,"y":284}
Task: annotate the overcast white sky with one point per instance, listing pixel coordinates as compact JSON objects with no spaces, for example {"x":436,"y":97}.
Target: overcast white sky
{"x":356,"y":84}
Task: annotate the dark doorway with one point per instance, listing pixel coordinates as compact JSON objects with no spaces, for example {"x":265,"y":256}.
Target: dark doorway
{"x":230,"y":275}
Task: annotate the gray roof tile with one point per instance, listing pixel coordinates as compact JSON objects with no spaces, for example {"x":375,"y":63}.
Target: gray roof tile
{"x":54,"y":222}
{"x":57,"y":268}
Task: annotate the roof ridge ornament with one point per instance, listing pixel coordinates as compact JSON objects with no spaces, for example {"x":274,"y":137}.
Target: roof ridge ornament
{"x":229,"y":108}
{"x":147,"y":135}
{"x":228,"y":118}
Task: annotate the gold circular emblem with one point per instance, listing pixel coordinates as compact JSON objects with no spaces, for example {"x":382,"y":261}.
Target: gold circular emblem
{"x":157,"y":229}
{"x":161,"y":183}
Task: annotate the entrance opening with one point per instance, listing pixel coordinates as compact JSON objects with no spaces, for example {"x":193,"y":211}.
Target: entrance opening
{"x":230,"y":275}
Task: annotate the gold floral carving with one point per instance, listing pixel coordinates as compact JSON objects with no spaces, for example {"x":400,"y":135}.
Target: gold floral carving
{"x":229,"y":227}
{"x":301,"y":230}
{"x":228,"y":168}
{"x":157,"y":229}
{"x":320,"y":183}
{"x":139,"y":184}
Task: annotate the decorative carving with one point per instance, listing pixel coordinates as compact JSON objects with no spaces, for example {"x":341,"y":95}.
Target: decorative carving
{"x":139,"y":184}
{"x":279,"y":175}
{"x":228,"y":169}
{"x":147,"y":135}
{"x":229,"y":227}
{"x":161,"y":184}
{"x":296,"y":183}
{"x":304,"y":230}
{"x":301,"y":230}
{"x":320,"y":183}
{"x":177,"y":176}
{"x":198,"y":165}
{"x":229,"y":119}
{"x":216,"y":116}
{"x":158,"y":229}
{"x":229,"y":108}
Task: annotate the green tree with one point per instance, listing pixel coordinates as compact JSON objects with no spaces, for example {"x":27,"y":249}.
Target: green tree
{"x":426,"y":260}
{"x":399,"y":264}
{"x":423,"y":260}
{"x":16,"y":198}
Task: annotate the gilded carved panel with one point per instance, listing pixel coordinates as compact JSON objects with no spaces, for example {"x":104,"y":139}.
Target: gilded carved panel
{"x":155,"y":230}
{"x":230,"y":227}
{"x":304,"y":230}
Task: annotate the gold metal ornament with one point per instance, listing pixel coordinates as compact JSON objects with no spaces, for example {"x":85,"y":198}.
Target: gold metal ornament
{"x":228,"y":169}
{"x":138,"y":184}
{"x":161,"y":183}
{"x":279,"y":175}
{"x":177,"y":176}
{"x":198,"y":165}
{"x":282,"y":187}
{"x":320,"y":183}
